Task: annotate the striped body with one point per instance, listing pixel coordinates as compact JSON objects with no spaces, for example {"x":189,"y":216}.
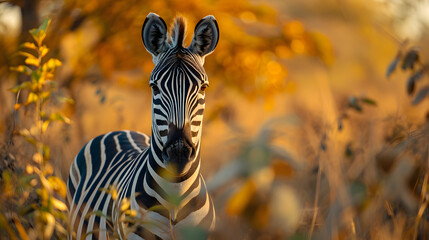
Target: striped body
{"x":123,"y":159}
{"x":128,"y":185}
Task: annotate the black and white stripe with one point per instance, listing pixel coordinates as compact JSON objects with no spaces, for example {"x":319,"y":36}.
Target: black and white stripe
{"x":140,"y":167}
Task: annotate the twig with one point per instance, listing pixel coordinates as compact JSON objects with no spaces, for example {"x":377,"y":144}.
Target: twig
{"x":424,"y":201}
{"x":316,"y":199}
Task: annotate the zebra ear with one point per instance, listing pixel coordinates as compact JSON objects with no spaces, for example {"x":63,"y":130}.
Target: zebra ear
{"x":154,"y":34}
{"x":206,"y":36}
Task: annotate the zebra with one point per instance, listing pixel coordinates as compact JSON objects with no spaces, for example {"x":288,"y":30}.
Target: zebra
{"x":149,"y":172}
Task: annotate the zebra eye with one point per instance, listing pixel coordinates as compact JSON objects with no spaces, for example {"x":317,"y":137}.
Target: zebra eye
{"x":155,"y":89}
{"x":203,"y":87}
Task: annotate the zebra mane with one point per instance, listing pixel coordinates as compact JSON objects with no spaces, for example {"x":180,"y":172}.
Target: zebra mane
{"x":178,"y":32}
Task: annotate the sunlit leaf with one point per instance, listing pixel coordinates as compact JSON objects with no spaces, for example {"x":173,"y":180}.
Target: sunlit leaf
{"x":29,"y":45}
{"x":324,"y":48}
{"x":51,"y":64}
{"x":43,"y":51}
{"x":240,"y":199}
{"x":48,"y":169}
{"x":29,"y":169}
{"x":65,"y":100}
{"x":58,"y":204}
{"x":424,"y":92}
{"x":45,"y":125}
{"x":32,"y":61}
{"x":32,"y":97}
{"x":285,"y":208}
{"x":4,"y":223}
{"x":59,"y":117}
{"x":45,"y":95}
{"x":39,"y":33}
{"x":26,"y":54}
{"x":22,"y":69}
{"x":38,"y":158}
{"x":125,"y":204}
{"x":49,"y":225}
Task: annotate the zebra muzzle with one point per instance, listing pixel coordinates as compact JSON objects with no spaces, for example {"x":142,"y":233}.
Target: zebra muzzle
{"x":177,"y":155}
{"x":178,"y":150}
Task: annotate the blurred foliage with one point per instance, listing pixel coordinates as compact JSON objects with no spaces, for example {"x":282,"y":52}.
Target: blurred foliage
{"x":35,"y":198}
{"x":97,"y":37}
{"x":409,"y":59}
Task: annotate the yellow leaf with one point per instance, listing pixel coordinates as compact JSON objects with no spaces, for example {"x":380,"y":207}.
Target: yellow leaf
{"x":48,"y":171}
{"x":131,"y":213}
{"x":21,"y":230}
{"x":34,"y":182}
{"x":43,"y":51}
{"x":53,"y":63}
{"x":29,"y":169}
{"x":26,"y":54}
{"x":59,"y":204}
{"x":58,"y":185}
{"x":49,"y":225}
{"x":125,"y":205}
{"x":239,"y":201}
{"x":29,"y":45}
{"x":16,"y":106}
{"x":5,"y":225}
{"x":45,"y":126}
{"x":32,"y":61}
{"x":32,"y":97}
{"x":22,"y":69}
{"x":37,"y":158}
{"x":46,"y":184}
{"x":114,"y":193}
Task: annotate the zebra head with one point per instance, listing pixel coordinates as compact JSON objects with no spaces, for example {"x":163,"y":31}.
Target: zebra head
{"x":178,"y":82}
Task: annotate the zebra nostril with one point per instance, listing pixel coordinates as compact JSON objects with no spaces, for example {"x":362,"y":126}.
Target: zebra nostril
{"x":178,"y":154}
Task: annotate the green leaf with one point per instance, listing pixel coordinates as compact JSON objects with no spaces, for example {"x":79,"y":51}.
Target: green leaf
{"x":17,"y":88}
{"x":46,"y":152}
{"x":39,"y":34}
{"x":59,"y":117}
{"x":358,"y":192}
{"x":354,"y":103}
{"x":368,"y":101}
{"x":193,"y":233}
{"x":65,"y":100}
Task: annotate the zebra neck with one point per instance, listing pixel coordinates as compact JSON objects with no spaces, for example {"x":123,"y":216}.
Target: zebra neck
{"x":175,"y":188}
